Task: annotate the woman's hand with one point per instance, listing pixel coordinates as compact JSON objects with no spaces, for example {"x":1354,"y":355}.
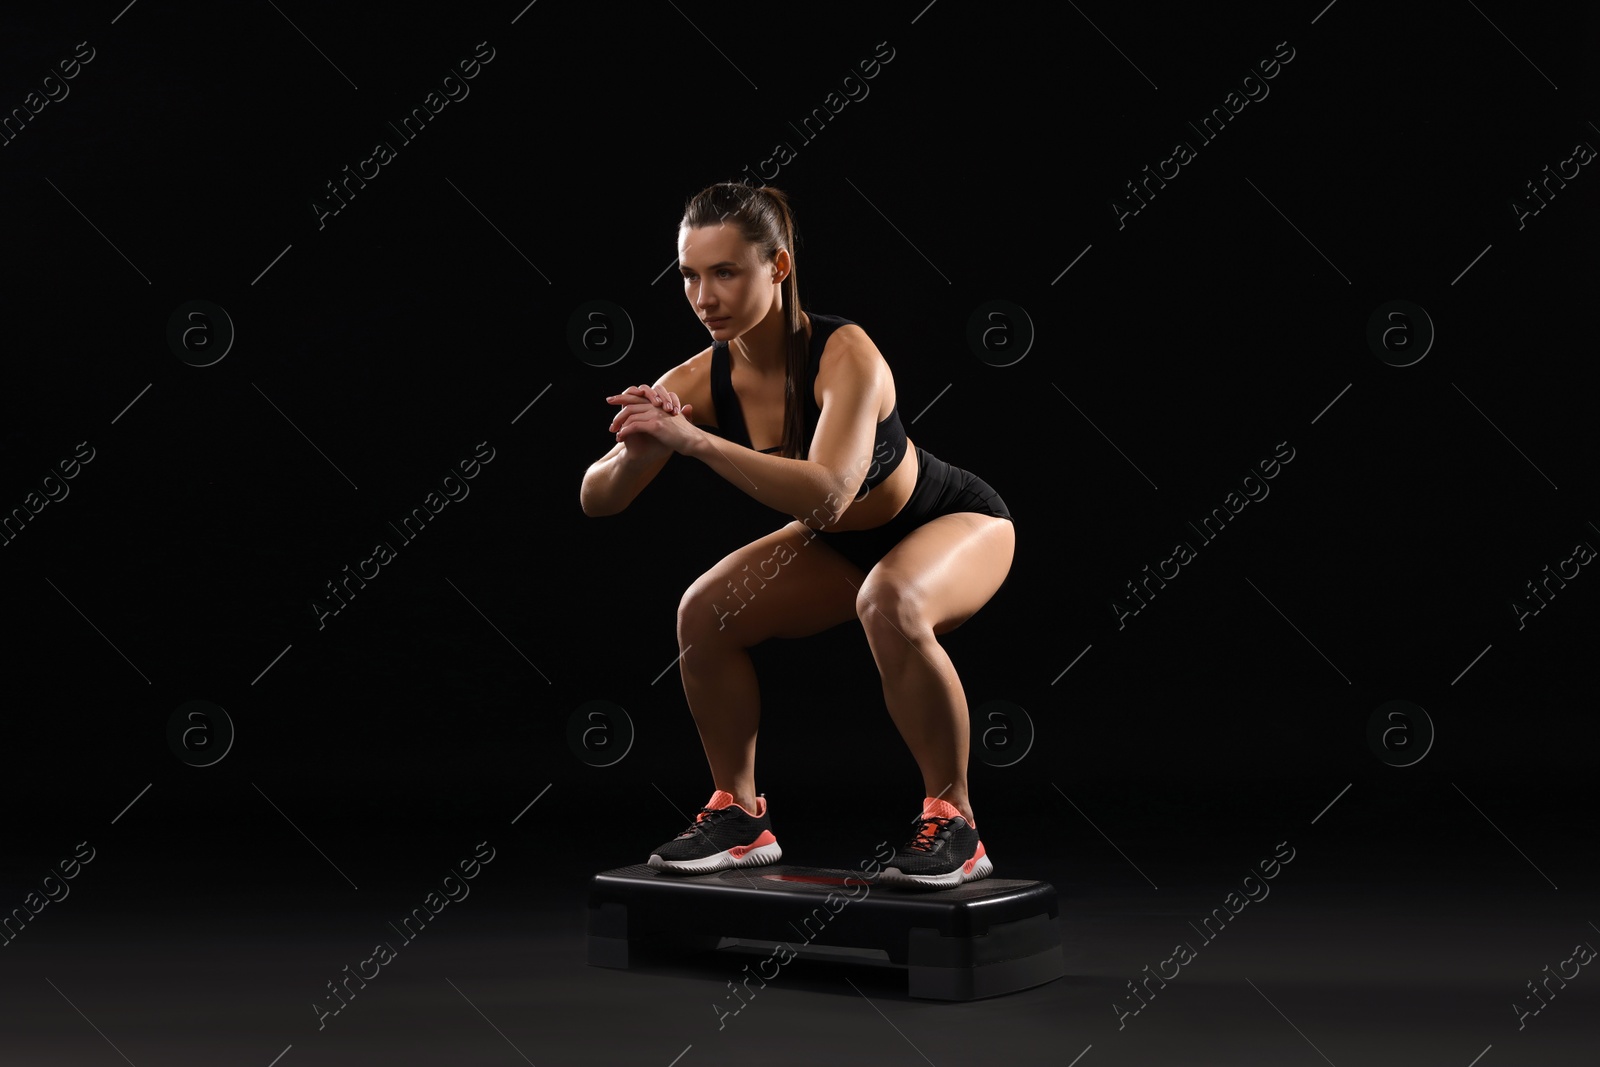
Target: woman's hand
{"x":652,"y":416}
{"x":636,"y":394}
{"x":640,"y":446}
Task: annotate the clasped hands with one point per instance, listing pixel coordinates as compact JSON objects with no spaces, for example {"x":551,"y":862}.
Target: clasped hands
{"x":652,"y":416}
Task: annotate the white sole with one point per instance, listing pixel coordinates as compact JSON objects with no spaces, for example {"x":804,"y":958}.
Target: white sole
{"x":894,"y":876}
{"x":721,"y":861}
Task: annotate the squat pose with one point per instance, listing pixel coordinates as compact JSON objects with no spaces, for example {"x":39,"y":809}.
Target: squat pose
{"x":798,"y":410}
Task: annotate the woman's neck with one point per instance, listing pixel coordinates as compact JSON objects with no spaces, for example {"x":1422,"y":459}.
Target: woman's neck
{"x":764,"y":348}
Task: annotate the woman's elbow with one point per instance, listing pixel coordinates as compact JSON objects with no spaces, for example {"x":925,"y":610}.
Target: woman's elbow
{"x":835,"y":501}
{"x":593,"y":503}
{"x":595,"y":508}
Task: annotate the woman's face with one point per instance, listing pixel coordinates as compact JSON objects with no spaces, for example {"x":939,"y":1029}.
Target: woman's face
{"x":727,"y":285}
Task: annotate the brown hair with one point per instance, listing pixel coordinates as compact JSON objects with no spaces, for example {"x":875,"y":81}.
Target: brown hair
{"x":764,"y":220}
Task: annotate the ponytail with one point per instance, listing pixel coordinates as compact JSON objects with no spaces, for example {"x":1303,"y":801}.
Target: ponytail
{"x":797,"y":364}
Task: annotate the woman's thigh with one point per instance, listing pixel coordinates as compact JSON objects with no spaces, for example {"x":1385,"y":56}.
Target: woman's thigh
{"x":786,"y":584}
{"x":941,"y":573}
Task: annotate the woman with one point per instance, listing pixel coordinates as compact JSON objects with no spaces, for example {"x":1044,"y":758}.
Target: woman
{"x":799,"y":411}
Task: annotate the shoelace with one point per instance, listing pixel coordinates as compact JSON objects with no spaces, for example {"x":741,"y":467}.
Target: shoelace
{"x":927,"y":840}
{"x":706,"y":815}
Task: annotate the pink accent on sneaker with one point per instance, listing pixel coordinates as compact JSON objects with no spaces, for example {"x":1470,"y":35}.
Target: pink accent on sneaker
{"x":966,"y":868}
{"x":766,"y":838}
{"x":942,"y":808}
{"x":721,"y":798}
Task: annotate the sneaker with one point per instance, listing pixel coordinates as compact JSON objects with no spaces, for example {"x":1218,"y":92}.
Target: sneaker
{"x":944,"y":852}
{"x":723,"y":835}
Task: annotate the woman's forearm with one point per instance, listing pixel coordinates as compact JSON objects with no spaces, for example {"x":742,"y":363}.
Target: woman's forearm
{"x":793,"y":486}
{"x":612,"y":482}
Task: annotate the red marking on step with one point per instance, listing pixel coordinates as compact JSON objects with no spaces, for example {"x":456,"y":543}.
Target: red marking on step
{"x":818,"y":879}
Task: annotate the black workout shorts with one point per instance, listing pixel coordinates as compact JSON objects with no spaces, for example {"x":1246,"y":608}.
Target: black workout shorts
{"x":941,"y":490}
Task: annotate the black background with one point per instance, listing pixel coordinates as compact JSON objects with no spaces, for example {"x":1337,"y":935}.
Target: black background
{"x":375,"y":351}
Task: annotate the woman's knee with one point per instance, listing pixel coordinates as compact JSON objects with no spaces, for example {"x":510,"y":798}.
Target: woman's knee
{"x":697,"y":610}
{"x":709,"y":610}
{"x":888,"y":607}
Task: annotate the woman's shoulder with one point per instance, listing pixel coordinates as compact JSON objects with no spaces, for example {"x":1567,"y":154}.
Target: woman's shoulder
{"x":837,"y":332}
{"x":842,"y":335}
{"x":697,"y":366}
{"x":691,"y":380}
{"x":830,"y":323}
{"x":848,"y":359}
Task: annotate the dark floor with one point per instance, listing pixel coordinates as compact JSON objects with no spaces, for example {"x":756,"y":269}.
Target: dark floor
{"x":1399,"y":944}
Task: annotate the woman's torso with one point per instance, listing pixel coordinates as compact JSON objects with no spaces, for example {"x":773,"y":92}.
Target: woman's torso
{"x":760,"y":399}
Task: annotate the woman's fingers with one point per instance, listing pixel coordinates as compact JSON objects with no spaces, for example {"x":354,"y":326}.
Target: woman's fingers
{"x":664,"y":399}
{"x":656,"y":397}
{"x":638,"y":398}
{"x":630,"y":409}
{"x":630,"y":423}
{"x":638,"y":409}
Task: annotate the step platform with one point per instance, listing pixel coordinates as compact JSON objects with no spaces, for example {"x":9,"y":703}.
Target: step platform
{"x":980,"y":939}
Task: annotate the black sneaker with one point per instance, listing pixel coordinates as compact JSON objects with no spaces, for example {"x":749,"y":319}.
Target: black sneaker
{"x":944,"y":852}
{"x":723,"y":835}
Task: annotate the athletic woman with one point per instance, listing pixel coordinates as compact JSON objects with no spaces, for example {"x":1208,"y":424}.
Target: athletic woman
{"x":799,"y":411}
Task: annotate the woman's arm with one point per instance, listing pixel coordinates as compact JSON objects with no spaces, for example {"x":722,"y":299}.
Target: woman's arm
{"x":798,"y":487}
{"x":823,"y":485}
{"x":613,"y":481}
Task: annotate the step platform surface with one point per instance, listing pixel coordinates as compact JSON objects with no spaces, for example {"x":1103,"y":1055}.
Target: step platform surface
{"x":980,"y":939}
